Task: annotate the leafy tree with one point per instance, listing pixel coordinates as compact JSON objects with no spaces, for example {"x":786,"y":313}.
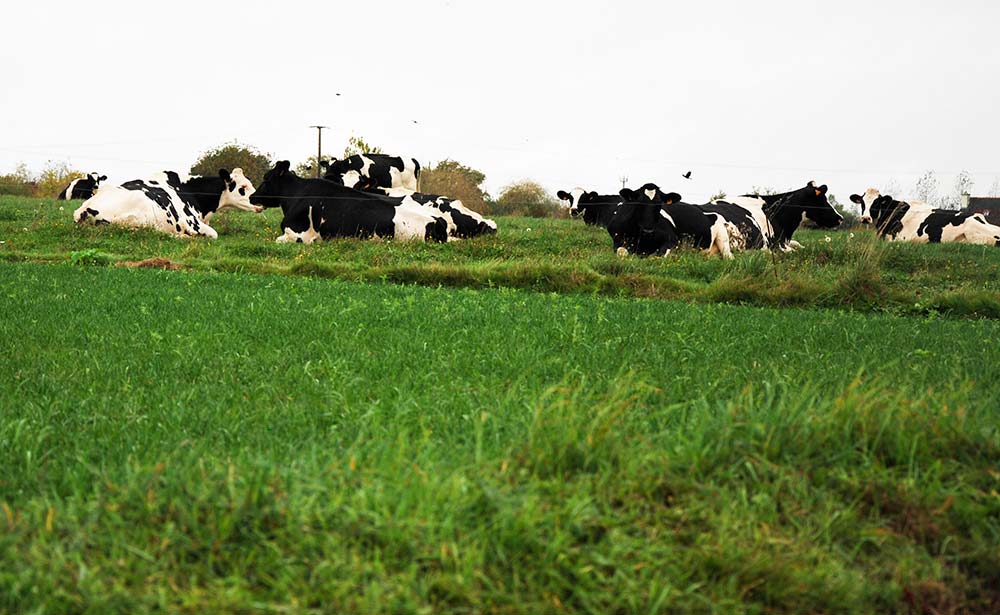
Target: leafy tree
{"x":762,"y":190}
{"x":55,"y":177}
{"x":719,"y":195}
{"x":455,"y":180}
{"x":357,"y":145}
{"x":19,"y":183}
{"x":307,"y":168}
{"x":231,"y":155}
{"x":527,"y":198}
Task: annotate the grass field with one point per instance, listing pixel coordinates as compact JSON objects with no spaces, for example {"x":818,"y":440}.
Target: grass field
{"x":546,"y":255}
{"x":220,"y":440}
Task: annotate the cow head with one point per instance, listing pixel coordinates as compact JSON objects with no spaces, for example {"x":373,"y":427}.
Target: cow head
{"x":342,"y":172}
{"x":641,"y":225}
{"x":576,"y":200}
{"x":865,"y":202}
{"x":817,"y":207}
{"x":237,"y":191}
{"x":277,"y":182}
{"x":96,"y":178}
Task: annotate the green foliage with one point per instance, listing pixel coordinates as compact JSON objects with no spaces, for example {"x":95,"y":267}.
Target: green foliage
{"x":19,"y":183}
{"x":232,"y":155}
{"x":526,"y":198}
{"x":357,"y":145}
{"x":308,"y":167}
{"x":90,"y":256}
{"x":54,"y":178}
{"x":206,"y":451}
{"x":455,"y":180}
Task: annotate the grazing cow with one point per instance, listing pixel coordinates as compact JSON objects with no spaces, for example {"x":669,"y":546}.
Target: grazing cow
{"x":779,"y":215}
{"x":596,"y":209}
{"x":919,"y":222}
{"x":385,"y":171}
{"x":82,"y":188}
{"x":319,"y":209}
{"x":466,"y":222}
{"x":169,"y":203}
{"x":707,"y":231}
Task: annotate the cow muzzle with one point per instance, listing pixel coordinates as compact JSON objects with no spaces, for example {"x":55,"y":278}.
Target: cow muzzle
{"x":866,"y":219}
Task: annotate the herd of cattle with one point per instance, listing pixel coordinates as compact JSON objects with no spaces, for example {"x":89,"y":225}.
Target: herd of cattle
{"x":375,"y":195}
{"x":369,"y":195}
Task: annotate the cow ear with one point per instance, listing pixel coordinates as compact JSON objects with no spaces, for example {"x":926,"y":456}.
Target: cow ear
{"x":671,"y":198}
{"x":563,"y":195}
{"x":282,"y":166}
{"x":102,"y":178}
{"x":821,"y":190}
{"x":856,"y":198}
{"x":224,"y":174}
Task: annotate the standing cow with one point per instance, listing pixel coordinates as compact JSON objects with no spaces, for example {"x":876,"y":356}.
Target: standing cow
{"x":920,"y":223}
{"x":82,"y":188}
{"x":385,"y":171}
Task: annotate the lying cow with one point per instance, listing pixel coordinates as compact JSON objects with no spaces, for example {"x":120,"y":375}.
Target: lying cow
{"x":777,"y":216}
{"x":596,"y":209}
{"x":464,"y":222}
{"x":169,"y":203}
{"x":919,"y":222}
{"x":319,"y":209}
{"x":82,"y":188}
{"x":384,"y":170}
{"x":649,"y":221}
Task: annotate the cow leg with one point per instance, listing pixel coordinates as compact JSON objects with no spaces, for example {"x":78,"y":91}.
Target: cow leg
{"x":720,"y":239}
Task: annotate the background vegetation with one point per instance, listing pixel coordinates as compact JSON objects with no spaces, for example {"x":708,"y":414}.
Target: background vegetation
{"x":232,"y":155}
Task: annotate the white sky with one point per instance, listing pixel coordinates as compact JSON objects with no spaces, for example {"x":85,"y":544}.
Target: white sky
{"x":849,"y":93}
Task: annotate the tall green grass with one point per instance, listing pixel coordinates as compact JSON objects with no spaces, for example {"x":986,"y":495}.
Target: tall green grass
{"x":851,"y":271}
{"x":207,"y":442}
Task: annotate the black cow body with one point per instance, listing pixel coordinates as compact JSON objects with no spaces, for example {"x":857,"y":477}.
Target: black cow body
{"x":383,"y":170}
{"x":464,"y":222}
{"x":596,"y":209}
{"x":778,"y":216}
{"x":641,"y":226}
{"x":917,"y":222}
{"x":82,"y":188}
{"x":319,"y":209}
{"x":640,"y":230}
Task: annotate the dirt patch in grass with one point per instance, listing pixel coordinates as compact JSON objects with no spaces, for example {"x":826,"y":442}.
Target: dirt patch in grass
{"x":152,"y":263}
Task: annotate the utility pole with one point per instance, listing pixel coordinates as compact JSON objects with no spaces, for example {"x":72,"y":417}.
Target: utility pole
{"x":624,"y":181}
{"x":319,"y":147}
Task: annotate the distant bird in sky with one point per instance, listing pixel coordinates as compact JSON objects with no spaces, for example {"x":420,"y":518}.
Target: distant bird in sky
{"x":414,"y":121}
{"x":338,"y":93}
{"x":687,"y":175}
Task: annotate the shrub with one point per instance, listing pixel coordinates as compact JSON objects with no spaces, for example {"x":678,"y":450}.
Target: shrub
{"x":456,"y":181}
{"x":54,"y":178}
{"x":18,"y":183}
{"x":527,"y":198}
{"x":231,"y":155}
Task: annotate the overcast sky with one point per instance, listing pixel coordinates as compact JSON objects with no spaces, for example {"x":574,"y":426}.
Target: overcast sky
{"x":578,"y":93}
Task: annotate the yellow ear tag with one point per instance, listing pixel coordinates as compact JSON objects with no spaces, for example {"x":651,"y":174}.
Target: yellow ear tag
{"x":818,"y":192}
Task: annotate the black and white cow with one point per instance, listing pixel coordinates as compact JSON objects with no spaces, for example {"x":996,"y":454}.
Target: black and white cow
{"x":319,"y":209}
{"x":384,"y":170}
{"x":169,"y":203}
{"x":636,"y":226}
{"x":778,"y":216}
{"x":596,"y":209}
{"x":920,"y":223}
{"x":465,"y":222}
{"x":82,"y":188}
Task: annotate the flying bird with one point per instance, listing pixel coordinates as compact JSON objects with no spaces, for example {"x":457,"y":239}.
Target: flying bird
{"x":687,"y":175}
